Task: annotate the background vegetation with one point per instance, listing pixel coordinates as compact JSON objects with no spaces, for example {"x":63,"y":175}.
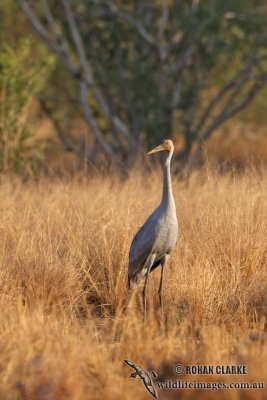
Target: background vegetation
{"x":73,"y":120}
{"x":107,"y":80}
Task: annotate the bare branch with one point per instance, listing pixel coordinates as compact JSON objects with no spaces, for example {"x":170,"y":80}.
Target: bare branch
{"x":88,"y":75}
{"x":240,"y":78}
{"x":217,"y":98}
{"x":91,"y":120}
{"x":226,"y":113}
{"x":130,"y":19}
{"x":60,"y":50}
{"x":187,"y":42}
{"x":54,"y":27}
{"x":190,"y":117}
{"x":65,"y":139}
{"x":194,"y":5}
{"x":176,"y":95}
{"x":50,"y":18}
{"x":163,"y":22}
{"x":77,"y":40}
{"x":178,"y":69}
{"x":83,"y":86}
{"x":259,"y":83}
{"x":45,"y":36}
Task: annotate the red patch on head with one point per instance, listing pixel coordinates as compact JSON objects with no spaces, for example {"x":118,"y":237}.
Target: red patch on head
{"x":167,"y":145}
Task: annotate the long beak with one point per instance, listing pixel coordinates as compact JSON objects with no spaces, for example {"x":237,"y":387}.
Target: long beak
{"x":156,"y":149}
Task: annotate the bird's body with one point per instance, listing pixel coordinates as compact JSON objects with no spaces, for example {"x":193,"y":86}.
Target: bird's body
{"x":157,"y":236}
{"x":155,"y":240}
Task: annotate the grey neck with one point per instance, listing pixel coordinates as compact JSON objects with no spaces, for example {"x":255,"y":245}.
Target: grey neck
{"x":167,"y":196}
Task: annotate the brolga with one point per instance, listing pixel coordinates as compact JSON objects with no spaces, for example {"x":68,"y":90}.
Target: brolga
{"x":153,"y":243}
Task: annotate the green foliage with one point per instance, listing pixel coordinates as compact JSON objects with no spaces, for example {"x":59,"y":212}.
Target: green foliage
{"x":222,"y":38}
{"x":21,"y":77}
{"x":156,"y":86}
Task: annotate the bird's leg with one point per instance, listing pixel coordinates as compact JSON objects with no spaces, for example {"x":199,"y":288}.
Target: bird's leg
{"x":149,"y":263}
{"x":144,"y":295}
{"x":163,"y":264}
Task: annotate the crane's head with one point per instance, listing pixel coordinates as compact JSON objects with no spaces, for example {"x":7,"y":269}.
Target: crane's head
{"x":166,"y":145}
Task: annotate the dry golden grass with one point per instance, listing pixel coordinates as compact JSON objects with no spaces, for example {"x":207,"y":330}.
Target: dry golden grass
{"x":65,"y":328}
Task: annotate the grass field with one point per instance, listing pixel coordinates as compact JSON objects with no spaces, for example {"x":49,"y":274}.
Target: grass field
{"x":67,"y":321}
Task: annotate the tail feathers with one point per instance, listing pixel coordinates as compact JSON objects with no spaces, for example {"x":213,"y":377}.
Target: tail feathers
{"x":136,"y":280}
{"x":129,"y":285}
{"x":132,"y":284}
